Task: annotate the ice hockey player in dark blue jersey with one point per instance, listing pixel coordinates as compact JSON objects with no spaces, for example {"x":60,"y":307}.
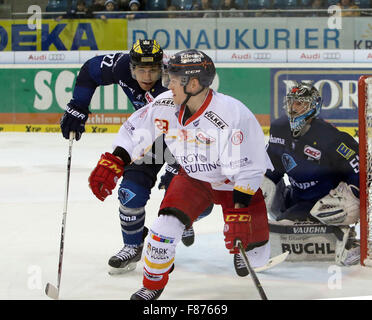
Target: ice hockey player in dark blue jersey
{"x":139,"y":75}
{"x":322,"y":167}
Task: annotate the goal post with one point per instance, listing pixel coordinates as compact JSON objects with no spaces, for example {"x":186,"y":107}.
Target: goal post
{"x":365,"y":168}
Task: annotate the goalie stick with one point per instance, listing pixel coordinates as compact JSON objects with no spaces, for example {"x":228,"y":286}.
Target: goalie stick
{"x":51,"y":290}
{"x":273,"y":262}
{"x":251,"y":271}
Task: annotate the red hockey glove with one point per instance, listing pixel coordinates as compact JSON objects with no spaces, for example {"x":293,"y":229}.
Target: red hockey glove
{"x":104,"y":177}
{"x":248,"y":224}
{"x":237,"y":226}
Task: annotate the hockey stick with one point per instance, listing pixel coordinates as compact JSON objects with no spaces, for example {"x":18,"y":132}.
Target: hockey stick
{"x":273,"y":262}
{"x":50,"y":290}
{"x":251,"y":271}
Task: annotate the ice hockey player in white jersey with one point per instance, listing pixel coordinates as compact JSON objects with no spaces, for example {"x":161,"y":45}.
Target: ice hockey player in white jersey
{"x":322,"y":165}
{"x":220,"y":147}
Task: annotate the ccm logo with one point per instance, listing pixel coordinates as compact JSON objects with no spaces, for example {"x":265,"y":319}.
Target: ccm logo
{"x":238,"y":218}
{"x":262,"y":56}
{"x":331,"y":56}
{"x":110,"y":165}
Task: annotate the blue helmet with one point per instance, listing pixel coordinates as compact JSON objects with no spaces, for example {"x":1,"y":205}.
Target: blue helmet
{"x":308,"y":106}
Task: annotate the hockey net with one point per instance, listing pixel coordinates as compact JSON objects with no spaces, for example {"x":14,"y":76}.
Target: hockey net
{"x":365,"y":155}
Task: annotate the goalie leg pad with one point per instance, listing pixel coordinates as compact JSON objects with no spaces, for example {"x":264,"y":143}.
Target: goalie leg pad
{"x":274,"y":196}
{"x":298,"y":212}
{"x":347,"y":247}
{"x":280,"y":201}
{"x":268,"y":188}
{"x":305,"y":241}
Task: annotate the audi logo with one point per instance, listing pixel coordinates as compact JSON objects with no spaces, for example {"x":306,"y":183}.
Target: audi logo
{"x":331,"y":56}
{"x":262,"y":56}
{"x":56,"y":57}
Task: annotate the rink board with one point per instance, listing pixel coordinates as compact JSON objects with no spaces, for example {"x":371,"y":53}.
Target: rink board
{"x":38,"y":94}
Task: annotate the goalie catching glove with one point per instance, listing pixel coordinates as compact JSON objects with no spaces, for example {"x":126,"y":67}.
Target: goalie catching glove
{"x":105,"y":176}
{"x":340,"y":207}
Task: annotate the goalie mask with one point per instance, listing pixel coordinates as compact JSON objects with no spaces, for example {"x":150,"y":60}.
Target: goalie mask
{"x":146,"y":53}
{"x":302,"y":104}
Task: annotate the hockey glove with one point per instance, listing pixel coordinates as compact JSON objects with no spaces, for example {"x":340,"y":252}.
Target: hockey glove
{"x":166,"y":178}
{"x":339,"y":208}
{"x":74,"y":120}
{"x":105,"y":176}
{"x":237,"y":226}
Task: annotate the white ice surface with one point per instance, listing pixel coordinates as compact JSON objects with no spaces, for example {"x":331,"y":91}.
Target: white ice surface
{"x":32,"y":181}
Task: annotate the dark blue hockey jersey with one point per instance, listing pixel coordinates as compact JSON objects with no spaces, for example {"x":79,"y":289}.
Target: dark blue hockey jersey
{"x":315,"y":163}
{"x":109,"y":69}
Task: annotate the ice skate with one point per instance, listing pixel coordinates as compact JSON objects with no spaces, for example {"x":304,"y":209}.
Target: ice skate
{"x":146,"y":294}
{"x":125,"y":260}
{"x":240,"y":266}
{"x":188,"y":236}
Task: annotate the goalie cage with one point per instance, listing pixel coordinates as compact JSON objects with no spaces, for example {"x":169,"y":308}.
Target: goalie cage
{"x":365,"y":168}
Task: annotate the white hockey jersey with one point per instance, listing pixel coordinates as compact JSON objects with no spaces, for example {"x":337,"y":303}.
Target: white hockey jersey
{"x":222,"y":143}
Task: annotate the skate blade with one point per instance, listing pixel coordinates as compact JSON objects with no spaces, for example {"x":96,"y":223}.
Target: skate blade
{"x":51,"y":291}
{"x":118,"y":271}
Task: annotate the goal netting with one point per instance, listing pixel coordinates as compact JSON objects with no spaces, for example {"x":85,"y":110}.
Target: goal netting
{"x":365,"y":155}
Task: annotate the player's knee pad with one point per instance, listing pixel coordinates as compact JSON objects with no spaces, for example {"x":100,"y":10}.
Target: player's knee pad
{"x":160,"y":250}
{"x":132,"y":194}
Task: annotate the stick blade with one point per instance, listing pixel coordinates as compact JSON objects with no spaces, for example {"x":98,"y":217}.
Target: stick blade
{"x":51,"y":291}
{"x":273,"y":262}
